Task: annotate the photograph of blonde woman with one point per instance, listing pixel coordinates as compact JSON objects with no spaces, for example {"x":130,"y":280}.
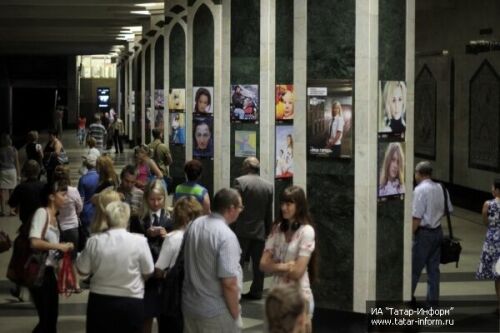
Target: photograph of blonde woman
{"x":391,"y":180}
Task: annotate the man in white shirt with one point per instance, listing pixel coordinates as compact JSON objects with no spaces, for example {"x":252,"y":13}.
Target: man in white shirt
{"x":428,"y":209}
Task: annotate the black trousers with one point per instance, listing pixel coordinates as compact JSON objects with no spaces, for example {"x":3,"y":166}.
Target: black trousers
{"x":114,"y":314}
{"x":169,"y":324}
{"x":46,"y":299}
{"x":253,"y":248}
{"x":117,"y":139}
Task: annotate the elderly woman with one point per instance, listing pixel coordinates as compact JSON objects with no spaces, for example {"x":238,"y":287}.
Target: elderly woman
{"x":119,"y":263}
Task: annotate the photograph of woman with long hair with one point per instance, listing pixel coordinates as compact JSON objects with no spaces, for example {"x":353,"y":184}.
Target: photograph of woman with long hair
{"x":393,"y":107}
{"x":391,"y":180}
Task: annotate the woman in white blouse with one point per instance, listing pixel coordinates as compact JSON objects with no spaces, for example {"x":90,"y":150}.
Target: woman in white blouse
{"x":44,"y":236}
{"x":119,"y":263}
{"x":289,"y":250}
{"x":186,"y":209}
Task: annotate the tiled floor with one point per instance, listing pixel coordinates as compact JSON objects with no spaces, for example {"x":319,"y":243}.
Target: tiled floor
{"x":456,"y":283}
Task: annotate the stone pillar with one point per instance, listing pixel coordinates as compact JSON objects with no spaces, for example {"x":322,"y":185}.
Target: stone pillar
{"x":365,"y":153}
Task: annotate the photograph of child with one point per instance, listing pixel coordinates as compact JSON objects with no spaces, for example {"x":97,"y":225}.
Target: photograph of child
{"x":203,"y":146}
{"x":177,"y":100}
{"x":203,"y":100}
{"x":284,"y":151}
{"x":244,"y":102}
{"x":177,"y":128}
{"x":329,"y":122}
{"x":245,"y":143}
{"x":392,"y":107}
{"x":284,"y":102}
{"x":391,"y":161}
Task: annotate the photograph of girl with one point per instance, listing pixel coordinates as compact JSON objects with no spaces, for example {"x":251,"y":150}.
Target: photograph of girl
{"x":203,"y":100}
{"x":392,"y":107}
{"x":392,"y":166}
{"x":177,"y":100}
{"x":203,"y":146}
{"x":284,"y":151}
{"x":244,"y":102}
{"x":177,"y":129}
{"x":284,"y":102}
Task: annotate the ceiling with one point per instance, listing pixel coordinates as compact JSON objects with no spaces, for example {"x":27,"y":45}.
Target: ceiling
{"x":67,"y":27}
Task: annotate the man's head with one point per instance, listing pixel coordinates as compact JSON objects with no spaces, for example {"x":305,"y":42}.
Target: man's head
{"x":128,"y":177}
{"x":423,"y":170}
{"x":90,"y":161}
{"x":193,"y":170}
{"x":157,"y":133}
{"x":227,"y":202}
{"x":251,"y":165}
{"x":31,"y":170}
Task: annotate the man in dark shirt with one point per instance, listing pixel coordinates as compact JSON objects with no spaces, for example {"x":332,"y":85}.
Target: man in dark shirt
{"x":26,"y":196}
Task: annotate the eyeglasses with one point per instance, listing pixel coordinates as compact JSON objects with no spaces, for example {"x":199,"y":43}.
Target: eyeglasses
{"x":241,"y":207}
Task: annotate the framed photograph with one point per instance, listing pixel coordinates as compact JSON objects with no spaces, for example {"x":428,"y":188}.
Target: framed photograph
{"x":177,"y":100}
{"x":244,"y":102}
{"x":245,"y":143}
{"x":284,"y":101}
{"x":392,"y":108}
{"x":203,"y":100}
{"x":203,"y":145}
{"x":177,"y":128}
{"x":159,"y":99}
{"x":391,"y":169}
{"x":330,"y":116}
{"x":284,"y":151}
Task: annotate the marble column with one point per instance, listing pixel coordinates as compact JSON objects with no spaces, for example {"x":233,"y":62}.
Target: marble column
{"x":267,"y":88}
{"x":143,"y":94}
{"x":365,"y":153}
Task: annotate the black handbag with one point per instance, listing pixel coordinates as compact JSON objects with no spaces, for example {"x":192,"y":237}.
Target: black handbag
{"x":450,"y":247}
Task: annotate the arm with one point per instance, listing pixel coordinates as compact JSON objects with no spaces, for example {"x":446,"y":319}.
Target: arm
{"x":484,"y":212}
{"x":42,"y":245}
{"x":267,"y":264}
{"x":57,"y":148}
{"x":78,"y":203}
{"x":299,"y":268}
{"x":337,"y":136}
{"x":154,"y":168}
{"x":206,"y":204}
{"x":18,"y":169}
{"x":231,"y":294}
{"x":416,"y":224}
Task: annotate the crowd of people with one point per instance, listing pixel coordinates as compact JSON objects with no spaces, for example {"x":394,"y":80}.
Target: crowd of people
{"x":132,"y":239}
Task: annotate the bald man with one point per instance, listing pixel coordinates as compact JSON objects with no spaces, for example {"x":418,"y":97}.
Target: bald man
{"x":254,"y":222}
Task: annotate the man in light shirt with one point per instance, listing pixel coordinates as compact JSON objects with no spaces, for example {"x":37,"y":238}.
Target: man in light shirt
{"x":213,"y":277}
{"x":428,"y":209}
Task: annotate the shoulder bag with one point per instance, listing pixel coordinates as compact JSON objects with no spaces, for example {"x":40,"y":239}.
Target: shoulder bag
{"x":27,"y":266}
{"x":450,"y":247}
{"x":5,"y":242}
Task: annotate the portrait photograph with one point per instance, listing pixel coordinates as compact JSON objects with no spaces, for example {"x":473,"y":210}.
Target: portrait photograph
{"x":244,"y":102}
{"x":177,"y":128}
{"x":159,"y":99}
{"x":245,"y":143}
{"x":284,"y":151}
{"x":330,"y":120}
{"x":284,"y":101}
{"x":158,"y":118}
{"x":177,"y":100}
{"x":392,"y":107}
{"x":203,"y":145}
{"x":202,"y":97}
{"x":391,"y":166}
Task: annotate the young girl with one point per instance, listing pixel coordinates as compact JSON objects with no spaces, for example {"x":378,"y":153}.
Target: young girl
{"x":289,"y":251}
{"x":146,"y":167}
{"x":287,"y":99}
{"x":154,"y":225}
{"x":203,"y":101}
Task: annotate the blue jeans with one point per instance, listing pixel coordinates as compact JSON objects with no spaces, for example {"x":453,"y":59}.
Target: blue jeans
{"x":426,"y":253}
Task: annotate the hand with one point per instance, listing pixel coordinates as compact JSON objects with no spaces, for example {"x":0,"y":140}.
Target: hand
{"x":65,"y":247}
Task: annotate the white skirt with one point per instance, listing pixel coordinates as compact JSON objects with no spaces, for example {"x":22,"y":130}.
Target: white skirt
{"x":8,"y":179}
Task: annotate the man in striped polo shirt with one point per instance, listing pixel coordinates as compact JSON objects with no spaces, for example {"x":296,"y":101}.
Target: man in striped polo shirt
{"x":213,"y":276}
{"x":98,"y":132}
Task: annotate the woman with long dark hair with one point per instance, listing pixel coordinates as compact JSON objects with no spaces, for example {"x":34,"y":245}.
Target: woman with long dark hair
{"x":289,"y":251}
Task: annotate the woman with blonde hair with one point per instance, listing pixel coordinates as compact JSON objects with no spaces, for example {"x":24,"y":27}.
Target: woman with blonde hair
{"x":101,"y":200}
{"x":107,"y":174}
{"x":392,"y":179}
{"x":10,"y":173}
{"x":394,"y":104}
{"x":286,"y":310}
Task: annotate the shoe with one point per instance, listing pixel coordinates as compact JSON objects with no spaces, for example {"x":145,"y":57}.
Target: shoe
{"x":251,"y":297}
{"x":16,"y":292}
